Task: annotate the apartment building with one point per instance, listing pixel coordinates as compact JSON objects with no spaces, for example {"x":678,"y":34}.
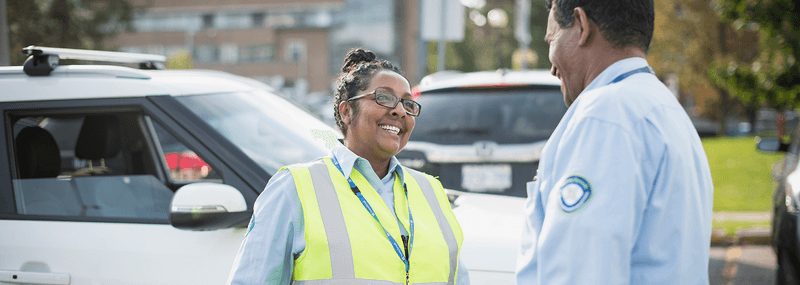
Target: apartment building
{"x":296,"y":46}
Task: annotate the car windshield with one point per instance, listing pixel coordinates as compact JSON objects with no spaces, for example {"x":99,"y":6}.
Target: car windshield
{"x":269,"y":129}
{"x":502,"y":115}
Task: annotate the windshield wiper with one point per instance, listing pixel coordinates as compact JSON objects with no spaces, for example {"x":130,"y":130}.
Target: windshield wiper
{"x":465,"y":131}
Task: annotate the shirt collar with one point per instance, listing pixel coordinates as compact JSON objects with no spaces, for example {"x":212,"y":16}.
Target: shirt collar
{"x":349,"y":160}
{"x":615,"y":70}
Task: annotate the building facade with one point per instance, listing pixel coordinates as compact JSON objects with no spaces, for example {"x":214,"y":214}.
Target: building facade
{"x":296,"y":46}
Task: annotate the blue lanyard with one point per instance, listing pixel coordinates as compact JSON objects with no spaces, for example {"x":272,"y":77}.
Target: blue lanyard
{"x":632,"y":72}
{"x":396,"y":246}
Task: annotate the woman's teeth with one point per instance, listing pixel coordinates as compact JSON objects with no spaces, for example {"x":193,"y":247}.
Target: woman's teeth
{"x":391,"y":129}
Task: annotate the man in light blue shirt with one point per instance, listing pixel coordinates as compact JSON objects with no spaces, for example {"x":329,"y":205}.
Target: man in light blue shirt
{"x":623,"y":194}
{"x":276,"y":235}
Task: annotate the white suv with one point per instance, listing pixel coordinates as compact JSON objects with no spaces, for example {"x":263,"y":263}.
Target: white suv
{"x":114,"y":175}
{"x":482,"y":134}
{"x":91,"y":156}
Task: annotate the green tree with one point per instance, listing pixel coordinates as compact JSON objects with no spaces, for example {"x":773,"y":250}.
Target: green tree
{"x":689,"y":37}
{"x":182,"y":60}
{"x":773,"y":78}
{"x":64,"y":23}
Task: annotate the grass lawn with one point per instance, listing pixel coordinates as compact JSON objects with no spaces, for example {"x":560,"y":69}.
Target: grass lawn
{"x":731,"y":227}
{"x":742,"y":176}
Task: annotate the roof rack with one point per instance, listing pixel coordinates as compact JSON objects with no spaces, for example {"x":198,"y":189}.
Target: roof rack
{"x":42,"y":60}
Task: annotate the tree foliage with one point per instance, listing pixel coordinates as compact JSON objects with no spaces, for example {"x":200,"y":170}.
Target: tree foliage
{"x":182,"y":60}
{"x":64,"y":23}
{"x":690,"y":37}
{"x":773,"y":78}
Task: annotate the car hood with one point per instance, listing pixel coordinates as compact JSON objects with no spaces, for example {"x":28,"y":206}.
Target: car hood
{"x":492,"y":227}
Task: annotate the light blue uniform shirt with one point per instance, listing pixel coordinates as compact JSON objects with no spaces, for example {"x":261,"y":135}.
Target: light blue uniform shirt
{"x":623,"y":193}
{"x":277,"y":236}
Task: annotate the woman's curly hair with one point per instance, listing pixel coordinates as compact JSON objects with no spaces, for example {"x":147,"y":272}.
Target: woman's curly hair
{"x":359,"y":67}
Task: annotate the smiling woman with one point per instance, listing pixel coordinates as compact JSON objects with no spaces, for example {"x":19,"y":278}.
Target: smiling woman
{"x":316,"y":217}
{"x":374,"y":131}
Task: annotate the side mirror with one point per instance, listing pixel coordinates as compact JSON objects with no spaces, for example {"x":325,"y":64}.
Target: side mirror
{"x":208,"y":206}
{"x":771,"y":144}
{"x":453,"y":195}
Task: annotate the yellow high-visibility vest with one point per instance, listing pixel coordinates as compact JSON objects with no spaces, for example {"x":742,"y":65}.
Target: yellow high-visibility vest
{"x":344,"y":243}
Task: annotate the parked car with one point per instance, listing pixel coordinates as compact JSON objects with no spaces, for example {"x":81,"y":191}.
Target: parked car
{"x":115,"y":175}
{"x":786,"y":205}
{"x":483,"y":132}
{"x":93,"y":155}
{"x":492,"y":227}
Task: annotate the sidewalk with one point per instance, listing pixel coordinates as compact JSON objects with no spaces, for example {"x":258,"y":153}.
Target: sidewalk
{"x":749,"y":235}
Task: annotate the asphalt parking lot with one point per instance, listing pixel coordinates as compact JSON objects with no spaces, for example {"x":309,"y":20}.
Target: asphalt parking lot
{"x":742,"y":264}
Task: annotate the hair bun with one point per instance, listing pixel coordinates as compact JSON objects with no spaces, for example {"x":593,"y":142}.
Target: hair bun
{"x":356,"y":56}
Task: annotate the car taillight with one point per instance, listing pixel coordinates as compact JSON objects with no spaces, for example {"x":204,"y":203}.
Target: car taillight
{"x":415,"y":93}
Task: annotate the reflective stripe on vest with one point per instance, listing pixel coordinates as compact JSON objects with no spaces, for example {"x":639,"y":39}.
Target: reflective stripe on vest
{"x":332,"y":219}
{"x":447,"y":231}
{"x":336,"y":264}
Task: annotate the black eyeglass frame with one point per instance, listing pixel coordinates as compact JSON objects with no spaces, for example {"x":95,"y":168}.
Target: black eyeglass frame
{"x":399,"y":99}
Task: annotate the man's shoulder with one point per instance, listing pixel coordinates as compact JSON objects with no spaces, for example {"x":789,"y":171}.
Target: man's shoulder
{"x":631,"y":100}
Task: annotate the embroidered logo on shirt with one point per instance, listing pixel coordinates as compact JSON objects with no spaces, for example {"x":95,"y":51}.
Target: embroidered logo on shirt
{"x":575,"y":192}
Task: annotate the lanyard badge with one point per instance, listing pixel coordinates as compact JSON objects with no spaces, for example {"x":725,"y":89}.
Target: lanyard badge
{"x":397,"y":249}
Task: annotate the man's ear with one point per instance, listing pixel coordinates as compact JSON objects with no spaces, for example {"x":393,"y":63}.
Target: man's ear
{"x":586,"y":26}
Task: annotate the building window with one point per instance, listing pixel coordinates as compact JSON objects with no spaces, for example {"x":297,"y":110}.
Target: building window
{"x":232,"y":21}
{"x":206,"y":54}
{"x":257,"y":53}
{"x":322,"y":19}
{"x":208,"y":21}
{"x":296,"y":51}
{"x":229,"y":53}
{"x":258,"y":19}
{"x":280,"y":21}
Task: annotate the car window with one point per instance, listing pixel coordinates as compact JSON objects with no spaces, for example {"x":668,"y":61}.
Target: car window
{"x":184,"y":164}
{"x":89,"y":165}
{"x":267,"y":128}
{"x":507,"y":115}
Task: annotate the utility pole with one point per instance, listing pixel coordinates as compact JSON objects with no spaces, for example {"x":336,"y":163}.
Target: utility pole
{"x":441,"y":47}
{"x":522,"y":31}
{"x":5,"y":55}
{"x":442,"y":21}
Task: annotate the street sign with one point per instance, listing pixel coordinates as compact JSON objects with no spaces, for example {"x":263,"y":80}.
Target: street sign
{"x":454,"y":20}
{"x":522,"y":16}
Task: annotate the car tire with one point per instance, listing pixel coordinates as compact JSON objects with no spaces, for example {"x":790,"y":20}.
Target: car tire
{"x":787,"y":268}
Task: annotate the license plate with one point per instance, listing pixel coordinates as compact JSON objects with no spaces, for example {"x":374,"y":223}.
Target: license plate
{"x":486,"y":177}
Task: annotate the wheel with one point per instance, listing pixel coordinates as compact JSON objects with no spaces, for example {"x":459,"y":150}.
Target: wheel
{"x":787,"y":268}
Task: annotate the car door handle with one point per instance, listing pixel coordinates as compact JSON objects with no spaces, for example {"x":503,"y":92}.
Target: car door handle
{"x":23,"y":277}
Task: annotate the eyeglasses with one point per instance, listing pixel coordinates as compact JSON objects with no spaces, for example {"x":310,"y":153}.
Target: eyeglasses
{"x":390,"y":101}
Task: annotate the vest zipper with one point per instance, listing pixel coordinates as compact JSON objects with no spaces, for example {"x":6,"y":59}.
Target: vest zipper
{"x":408,"y":258}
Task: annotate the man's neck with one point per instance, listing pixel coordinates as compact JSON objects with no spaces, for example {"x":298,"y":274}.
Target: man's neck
{"x":605,"y":57}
